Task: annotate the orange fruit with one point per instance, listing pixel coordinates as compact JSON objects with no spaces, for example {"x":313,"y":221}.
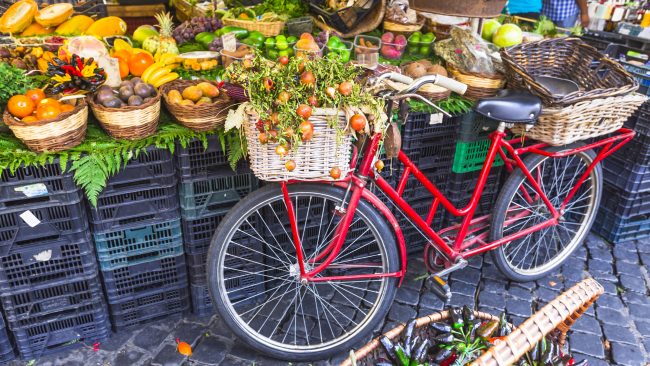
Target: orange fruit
{"x":124,"y":68}
{"x":20,"y":106}
{"x":47,"y":112}
{"x":184,"y":348}
{"x":29,"y":119}
{"x":139,"y":62}
{"x":66,"y":107}
{"x":123,"y":55}
{"x":49,"y":101}
{"x":36,"y":95}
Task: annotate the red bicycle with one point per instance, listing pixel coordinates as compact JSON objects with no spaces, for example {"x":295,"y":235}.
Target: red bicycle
{"x":301,"y":271}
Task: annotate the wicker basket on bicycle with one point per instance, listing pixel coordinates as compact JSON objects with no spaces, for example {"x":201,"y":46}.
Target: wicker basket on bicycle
{"x":314,"y":158}
{"x":558,"y":315}
{"x":602,"y":103}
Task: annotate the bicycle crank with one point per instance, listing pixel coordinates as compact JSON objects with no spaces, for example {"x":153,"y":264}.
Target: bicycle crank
{"x":439,"y":286}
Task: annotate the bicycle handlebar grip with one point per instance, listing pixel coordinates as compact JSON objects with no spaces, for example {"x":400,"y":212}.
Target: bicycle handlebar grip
{"x":401,"y":78}
{"x":451,"y":84}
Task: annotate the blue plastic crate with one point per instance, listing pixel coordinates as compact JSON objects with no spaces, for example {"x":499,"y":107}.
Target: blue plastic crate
{"x":617,"y":229}
{"x":140,"y":244}
{"x":198,"y":233}
{"x":149,"y":307}
{"x":6,"y":349}
{"x":624,"y":204}
{"x":628,"y":176}
{"x":201,"y":299}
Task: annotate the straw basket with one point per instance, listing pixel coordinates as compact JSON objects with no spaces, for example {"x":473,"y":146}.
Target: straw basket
{"x":129,"y":123}
{"x":314,"y":158}
{"x":478,"y":85}
{"x":559,"y":314}
{"x":268,"y":29}
{"x":581,"y":121}
{"x":64,"y":132}
{"x":401,"y":28}
{"x":202,"y":117}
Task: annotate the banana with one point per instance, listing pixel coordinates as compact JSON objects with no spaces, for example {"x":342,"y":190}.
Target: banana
{"x":158,"y":74}
{"x":165,"y":79}
{"x":147,"y":73}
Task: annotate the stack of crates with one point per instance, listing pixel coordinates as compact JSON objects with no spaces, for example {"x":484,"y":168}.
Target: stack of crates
{"x":624,"y":212}
{"x":208,"y":188}
{"x":49,"y":287}
{"x":137,"y":232}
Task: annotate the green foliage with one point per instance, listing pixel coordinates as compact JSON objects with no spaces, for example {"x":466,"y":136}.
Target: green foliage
{"x":99,"y":157}
{"x":14,"y":81}
{"x":453,"y":105}
{"x":234,"y":143}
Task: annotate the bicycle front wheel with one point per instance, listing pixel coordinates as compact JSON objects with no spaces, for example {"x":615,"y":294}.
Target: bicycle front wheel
{"x":254,"y":275}
{"x":519,"y":207}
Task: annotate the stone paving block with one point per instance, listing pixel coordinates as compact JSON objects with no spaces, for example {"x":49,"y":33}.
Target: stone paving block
{"x":411,"y":282}
{"x":635,"y":298}
{"x":168,"y":356}
{"x":643,"y":328}
{"x":625,"y":255}
{"x":407,"y":296}
{"x":525,"y":285}
{"x":643,"y":246}
{"x":234,"y":361}
{"x":586,"y":343}
{"x":266,"y":361}
{"x":610,"y":288}
{"x":476,"y":262}
{"x":552,"y":282}
{"x":591,"y":360}
{"x":519,"y":293}
{"x":118,"y":340}
{"x":597,"y":265}
{"x":462,"y":288}
{"x":496,"y":287}
{"x":242,"y":351}
{"x":128,"y":357}
{"x":620,"y":334}
{"x":546,"y":295}
{"x":633,"y":283}
{"x":587,"y":324}
{"x":210,"y":350}
{"x":151,"y":338}
{"x":631,"y":269}
{"x":610,"y":301}
{"x":518,"y":307}
{"x":628,"y":355}
{"x":461,"y":300}
{"x":219,"y":328}
{"x":389,"y":325}
{"x":401,"y":313}
{"x":203,"y":320}
{"x":468,"y":275}
{"x":601,"y":277}
{"x":601,"y":254}
{"x":188,"y":332}
{"x":429,"y":300}
{"x":496,"y":300}
{"x":610,"y":316}
{"x":492,"y":272}
{"x":640,"y":311}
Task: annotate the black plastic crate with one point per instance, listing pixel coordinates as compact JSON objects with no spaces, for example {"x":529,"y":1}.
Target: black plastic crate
{"x":201,"y":300}
{"x":198,"y":233}
{"x":46,"y":265}
{"x":346,"y":19}
{"x":618,"y":230}
{"x":53,"y":298}
{"x":460,"y":189}
{"x":418,"y":125}
{"x":636,"y":151}
{"x":6,"y":349}
{"x":21,"y":227}
{"x":473,"y":127}
{"x":627,"y":176}
{"x":86,"y":7}
{"x":429,"y":154}
{"x":133,"y":207}
{"x":130,"y":282}
{"x":42,"y":336}
{"x":624,"y":204}
{"x":640,"y":120}
{"x":196,"y":267}
{"x":153,"y":167}
{"x":196,"y":262}
{"x":205,"y":197}
{"x":195,"y":161}
{"x":149,"y":307}
{"x":415,"y":240}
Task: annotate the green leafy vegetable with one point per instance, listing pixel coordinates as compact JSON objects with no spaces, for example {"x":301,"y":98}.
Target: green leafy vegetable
{"x":14,"y":81}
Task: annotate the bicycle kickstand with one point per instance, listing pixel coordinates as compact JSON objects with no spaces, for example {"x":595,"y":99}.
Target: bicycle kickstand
{"x":439,"y":286}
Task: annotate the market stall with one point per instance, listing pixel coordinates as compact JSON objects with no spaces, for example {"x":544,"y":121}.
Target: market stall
{"x":148,"y":170}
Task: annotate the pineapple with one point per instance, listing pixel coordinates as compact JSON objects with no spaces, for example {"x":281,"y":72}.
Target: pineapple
{"x":163,"y":43}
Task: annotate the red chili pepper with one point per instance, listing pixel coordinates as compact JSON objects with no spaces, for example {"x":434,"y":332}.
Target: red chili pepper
{"x":449,"y":360}
{"x":220,"y":85}
{"x":571,"y":362}
{"x":496,"y":340}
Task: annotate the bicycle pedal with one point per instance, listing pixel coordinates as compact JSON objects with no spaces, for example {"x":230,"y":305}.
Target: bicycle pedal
{"x":440,"y":288}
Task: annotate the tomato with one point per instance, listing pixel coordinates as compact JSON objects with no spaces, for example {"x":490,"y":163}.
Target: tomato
{"x":263,"y":138}
{"x":47,"y":112}
{"x":288,"y":133}
{"x":140,"y":62}
{"x":20,"y":106}
{"x":260,"y":125}
{"x":307,"y":78}
{"x":36,"y":95}
{"x":283,"y":97}
{"x":49,"y":101}
{"x":345,"y":88}
{"x":281,"y":150}
{"x":29,"y":119}
{"x":283,"y":60}
{"x":379,"y":165}
{"x":307,"y":36}
{"x":304,"y":111}
{"x":124,"y":68}
{"x":331,"y":92}
{"x":274,"y":118}
{"x":290,"y":165}
{"x":65,"y":107}
{"x":335,"y":173}
{"x":268,"y":83}
{"x":313,"y":101}
{"x":306,"y":130}
{"x":358,"y":122}
{"x":273,"y":135}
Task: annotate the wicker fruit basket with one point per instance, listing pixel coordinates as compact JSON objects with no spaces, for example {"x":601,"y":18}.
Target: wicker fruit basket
{"x":129,"y":123}
{"x":559,"y":314}
{"x":478,"y":85}
{"x":314,"y":159}
{"x":64,"y":132}
{"x":268,"y":29}
{"x":592,"y":118}
{"x":202,"y":117}
{"x":566,"y":58}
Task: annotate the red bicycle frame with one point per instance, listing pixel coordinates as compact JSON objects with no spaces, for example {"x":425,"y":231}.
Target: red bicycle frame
{"x":461,"y":247}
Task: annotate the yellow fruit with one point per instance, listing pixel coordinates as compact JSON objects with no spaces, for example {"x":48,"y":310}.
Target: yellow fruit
{"x":150,"y":70}
{"x":165,"y":79}
{"x":121,"y":44}
{"x":42,"y":64}
{"x":54,"y":15}
{"x":174,"y":97}
{"x":74,"y":26}
{"x":192,"y":93}
{"x":209,"y":90}
{"x":158,"y":74}
{"x":36,"y":29}
{"x":187,"y":102}
{"x":204,"y":100}
{"x":106,"y":27}
{"x":18,"y":17}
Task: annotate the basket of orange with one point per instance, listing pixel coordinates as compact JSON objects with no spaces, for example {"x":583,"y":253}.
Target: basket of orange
{"x":199,"y":105}
{"x":47,"y":124}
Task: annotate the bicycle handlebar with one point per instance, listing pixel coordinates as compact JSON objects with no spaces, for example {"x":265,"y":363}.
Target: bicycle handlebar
{"x":414,"y":85}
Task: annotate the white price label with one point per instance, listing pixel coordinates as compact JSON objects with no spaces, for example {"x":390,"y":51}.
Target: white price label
{"x":30,"y":219}
{"x":435,"y":118}
{"x":229,"y":42}
{"x":33,"y":190}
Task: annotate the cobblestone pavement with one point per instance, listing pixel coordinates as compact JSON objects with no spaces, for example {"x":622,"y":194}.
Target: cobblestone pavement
{"x":615,"y":331}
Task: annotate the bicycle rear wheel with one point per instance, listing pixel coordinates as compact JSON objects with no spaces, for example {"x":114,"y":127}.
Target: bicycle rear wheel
{"x":539,"y":253}
{"x":255,"y":282}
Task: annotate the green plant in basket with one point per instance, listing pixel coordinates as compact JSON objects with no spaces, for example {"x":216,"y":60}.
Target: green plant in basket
{"x":285,"y":94}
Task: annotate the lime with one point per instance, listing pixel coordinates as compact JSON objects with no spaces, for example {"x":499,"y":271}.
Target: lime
{"x":269,"y":43}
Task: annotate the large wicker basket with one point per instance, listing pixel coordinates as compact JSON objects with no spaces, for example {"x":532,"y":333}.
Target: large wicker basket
{"x":64,"y":132}
{"x":581,"y":121}
{"x":559,"y":314}
{"x":461,"y":8}
{"x":129,"y":123}
{"x":478,"y":85}
{"x":202,"y":117}
{"x":268,"y":29}
{"x":314,"y":158}
{"x":568,"y":58}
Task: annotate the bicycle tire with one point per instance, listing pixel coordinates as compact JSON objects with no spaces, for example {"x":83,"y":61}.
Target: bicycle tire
{"x":236,"y":220}
{"x":504,"y":256}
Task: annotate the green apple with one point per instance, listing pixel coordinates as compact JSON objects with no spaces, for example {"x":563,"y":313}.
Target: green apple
{"x":489,"y":28}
